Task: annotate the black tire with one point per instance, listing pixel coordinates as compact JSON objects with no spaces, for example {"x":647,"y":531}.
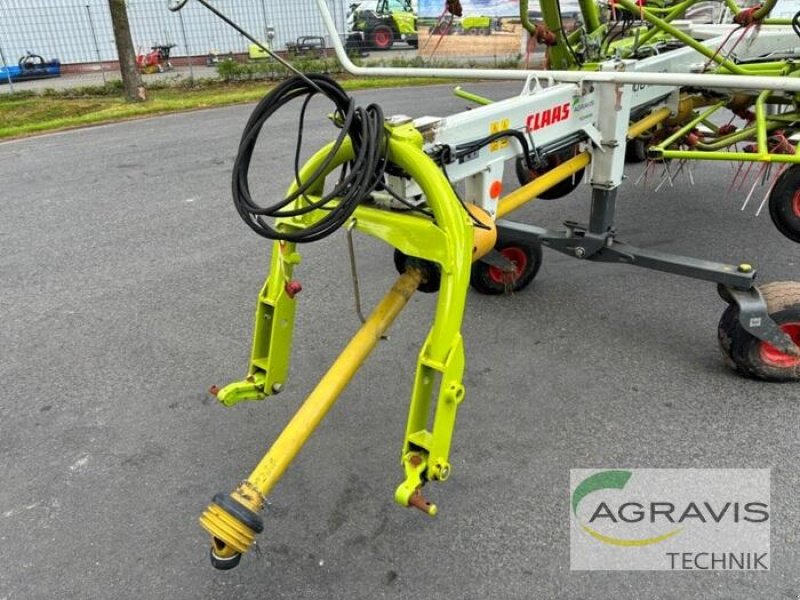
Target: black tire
{"x":382,"y":37}
{"x":526,"y":254}
{"x":784,"y":203}
{"x":636,"y":150}
{"x":561,"y":189}
{"x":753,"y":357}
{"x":431,"y":276}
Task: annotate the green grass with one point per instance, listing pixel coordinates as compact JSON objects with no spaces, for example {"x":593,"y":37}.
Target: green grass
{"x":25,"y":113}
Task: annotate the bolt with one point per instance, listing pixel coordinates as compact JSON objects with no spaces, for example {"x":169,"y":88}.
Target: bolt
{"x":745,"y":268}
{"x":580,"y":252}
{"x":276,"y":388}
{"x":293,"y":288}
{"x":418,"y":501}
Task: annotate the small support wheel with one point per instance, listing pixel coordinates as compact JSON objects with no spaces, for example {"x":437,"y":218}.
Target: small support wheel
{"x":561,"y":189}
{"x":524,"y":255}
{"x":784,"y":203}
{"x":756,"y":358}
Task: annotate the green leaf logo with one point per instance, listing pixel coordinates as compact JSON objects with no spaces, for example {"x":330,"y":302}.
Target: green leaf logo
{"x":610,"y":480}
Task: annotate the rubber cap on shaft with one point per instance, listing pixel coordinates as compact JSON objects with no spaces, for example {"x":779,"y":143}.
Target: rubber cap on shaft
{"x":224,"y":564}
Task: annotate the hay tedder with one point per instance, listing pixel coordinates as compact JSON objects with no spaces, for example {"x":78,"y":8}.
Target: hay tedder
{"x":645,"y":84}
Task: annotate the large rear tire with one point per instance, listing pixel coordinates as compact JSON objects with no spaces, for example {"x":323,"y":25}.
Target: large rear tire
{"x":784,"y":203}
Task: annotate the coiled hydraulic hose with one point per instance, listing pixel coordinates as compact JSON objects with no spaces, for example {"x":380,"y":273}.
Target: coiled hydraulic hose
{"x":359,"y":178}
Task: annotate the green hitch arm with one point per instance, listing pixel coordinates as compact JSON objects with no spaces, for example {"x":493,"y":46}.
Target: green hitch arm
{"x":472,"y":97}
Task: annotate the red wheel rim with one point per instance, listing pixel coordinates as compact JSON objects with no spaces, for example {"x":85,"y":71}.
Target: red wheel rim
{"x":796,"y":204}
{"x":382,"y":39}
{"x":520,"y":261}
{"x":774,"y":357}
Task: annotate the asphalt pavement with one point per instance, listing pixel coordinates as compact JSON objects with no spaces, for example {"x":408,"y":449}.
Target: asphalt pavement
{"x":128,"y":288}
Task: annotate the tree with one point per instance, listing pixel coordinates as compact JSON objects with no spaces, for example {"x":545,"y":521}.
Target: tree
{"x":131,"y":78}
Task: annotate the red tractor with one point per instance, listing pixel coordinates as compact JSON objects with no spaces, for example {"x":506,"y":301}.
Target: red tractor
{"x":155,"y":61}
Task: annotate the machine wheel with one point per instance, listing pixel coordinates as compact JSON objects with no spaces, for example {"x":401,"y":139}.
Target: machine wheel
{"x":526,"y":255}
{"x":756,"y":358}
{"x":525,"y":175}
{"x":636,"y":150}
{"x":431,"y":276}
{"x":784,"y":203}
{"x":382,"y":37}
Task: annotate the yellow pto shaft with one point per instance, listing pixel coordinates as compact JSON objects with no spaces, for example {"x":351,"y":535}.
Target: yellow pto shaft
{"x":542,"y":183}
{"x":233,"y":521}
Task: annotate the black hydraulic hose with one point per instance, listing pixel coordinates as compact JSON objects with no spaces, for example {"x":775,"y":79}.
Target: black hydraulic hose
{"x":360,"y":177}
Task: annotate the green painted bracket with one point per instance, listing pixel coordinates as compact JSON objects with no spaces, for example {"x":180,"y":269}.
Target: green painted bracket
{"x":447,"y":367}
{"x":446,"y":239}
{"x":459,"y":92}
{"x":414,"y":465}
{"x":272,"y":332}
{"x":249,"y":389}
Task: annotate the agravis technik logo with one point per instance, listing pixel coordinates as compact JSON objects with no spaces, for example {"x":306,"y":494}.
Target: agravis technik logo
{"x":670,"y":519}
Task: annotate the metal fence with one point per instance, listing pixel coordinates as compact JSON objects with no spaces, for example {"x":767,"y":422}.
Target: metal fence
{"x":81,"y":33}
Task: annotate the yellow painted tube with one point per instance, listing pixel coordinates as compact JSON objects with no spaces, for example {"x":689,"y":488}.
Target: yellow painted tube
{"x":542,"y":183}
{"x":648,"y":122}
{"x":483,"y":238}
{"x":323,"y":397}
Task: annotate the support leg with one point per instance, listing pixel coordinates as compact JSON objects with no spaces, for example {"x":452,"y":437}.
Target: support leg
{"x":601,"y":218}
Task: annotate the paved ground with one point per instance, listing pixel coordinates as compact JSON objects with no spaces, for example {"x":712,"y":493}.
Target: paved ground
{"x":128,"y":288}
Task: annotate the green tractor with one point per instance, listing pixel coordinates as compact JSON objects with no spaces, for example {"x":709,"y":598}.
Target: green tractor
{"x":378,"y":25}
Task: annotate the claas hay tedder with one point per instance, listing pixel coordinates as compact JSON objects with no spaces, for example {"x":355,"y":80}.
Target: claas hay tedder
{"x":645,"y":85}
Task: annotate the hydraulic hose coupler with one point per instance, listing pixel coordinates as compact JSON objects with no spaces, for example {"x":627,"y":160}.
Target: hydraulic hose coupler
{"x":233,"y":524}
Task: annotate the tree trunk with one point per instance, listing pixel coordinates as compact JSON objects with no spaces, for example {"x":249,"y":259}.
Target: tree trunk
{"x":131,"y":78}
